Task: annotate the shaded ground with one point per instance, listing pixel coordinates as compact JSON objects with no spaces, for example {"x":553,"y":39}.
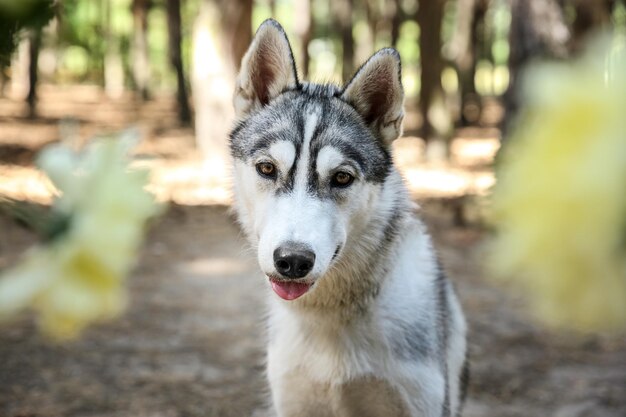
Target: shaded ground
{"x":191,"y":343}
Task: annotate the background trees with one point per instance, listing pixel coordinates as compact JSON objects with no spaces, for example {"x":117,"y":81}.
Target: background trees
{"x":145,"y":57}
{"x":457,"y":54}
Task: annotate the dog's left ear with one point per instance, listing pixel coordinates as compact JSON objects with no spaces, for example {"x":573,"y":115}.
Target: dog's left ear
{"x":267,"y":69}
{"x":375,"y":91}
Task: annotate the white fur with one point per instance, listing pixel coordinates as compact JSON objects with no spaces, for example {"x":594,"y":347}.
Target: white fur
{"x":279,"y":75}
{"x":312,"y":224}
{"x":283,"y":153}
{"x":342,"y":349}
{"x":329,"y":159}
{"x":311,"y":120}
{"x":331,"y":348}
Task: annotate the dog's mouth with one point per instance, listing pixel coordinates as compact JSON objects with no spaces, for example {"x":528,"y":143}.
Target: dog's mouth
{"x":289,"y":290}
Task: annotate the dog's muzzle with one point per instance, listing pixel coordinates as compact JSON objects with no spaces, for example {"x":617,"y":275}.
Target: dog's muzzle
{"x":293,"y":260}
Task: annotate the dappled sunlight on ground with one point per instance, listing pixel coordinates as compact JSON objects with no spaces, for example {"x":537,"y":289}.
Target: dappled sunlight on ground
{"x":191,"y":343}
{"x":468,"y":172}
{"x":214,"y":266}
{"x":179,"y":173}
{"x":25,"y":183}
{"x":192,"y":180}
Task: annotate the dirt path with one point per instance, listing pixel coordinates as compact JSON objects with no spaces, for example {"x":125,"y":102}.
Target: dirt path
{"x":191,"y":342}
{"x":520,"y":368}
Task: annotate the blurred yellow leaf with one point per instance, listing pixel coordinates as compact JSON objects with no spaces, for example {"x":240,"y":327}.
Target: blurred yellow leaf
{"x":78,"y":277}
{"x":559,"y":205}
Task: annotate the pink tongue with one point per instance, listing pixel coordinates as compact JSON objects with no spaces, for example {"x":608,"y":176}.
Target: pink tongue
{"x":289,"y":290}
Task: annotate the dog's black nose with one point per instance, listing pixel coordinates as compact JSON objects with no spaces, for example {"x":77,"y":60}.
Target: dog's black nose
{"x":293,"y":260}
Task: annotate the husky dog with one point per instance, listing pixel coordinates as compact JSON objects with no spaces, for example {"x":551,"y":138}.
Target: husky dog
{"x":362,"y":321}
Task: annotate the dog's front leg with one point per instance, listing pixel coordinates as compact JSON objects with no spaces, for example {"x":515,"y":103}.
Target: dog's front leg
{"x":426,"y":391}
{"x":296,"y":396}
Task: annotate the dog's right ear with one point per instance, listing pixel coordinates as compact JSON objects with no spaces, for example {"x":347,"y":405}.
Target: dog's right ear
{"x":267,"y":69}
{"x":376,"y":93}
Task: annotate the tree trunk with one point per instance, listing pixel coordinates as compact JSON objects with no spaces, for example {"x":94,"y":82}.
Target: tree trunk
{"x":3,"y":79}
{"x":537,"y":30}
{"x":222,"y":33}
{"x":141,"y":60}
{"x":436,"y":120}
{"x":174,"y":32}
{"x":19,"y":70}
{"x":236,"y":19}
{"x":396,"y":22}
{"x":304,"y":25}
{"x":463,"y":51}
{"x":343,"y":12}
{"x":590,"y":16}
{"x":373,"y":15}
{"x":34,"y":47}
{"x":113,"y":66}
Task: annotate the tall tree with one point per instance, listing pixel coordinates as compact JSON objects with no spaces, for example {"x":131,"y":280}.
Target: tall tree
{"x":396,"y":15}
{"x":538,"y":29}
{"x":236,"y":18}
{"x":343,"y":10}
{"x":32,"y":16}
{"x":463,"y":50}
{"x":176,"y":59}
{"x":18,"y":15}
{"x":113,"y":67}
{"x":34,"y":47}
{"x":436,"y":120}
{"x":3,"y":78}
{"x":590,"y":17}
{"x":372,"y":17}
{"x":222,"y":33}
{"x":304,"y":27}
{"x":139,"y":54}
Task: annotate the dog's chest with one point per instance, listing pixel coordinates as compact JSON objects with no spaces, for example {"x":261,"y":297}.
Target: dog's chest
{"x":364,"y":396}
{"x":325,"y":351}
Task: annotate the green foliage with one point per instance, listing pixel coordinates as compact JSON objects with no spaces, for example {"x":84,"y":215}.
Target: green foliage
{"x":88,"y":30}
{"x":18,"y":15}
{"x":619,"y":16}
{"x":501,"y":24}
{"x":76,"y":60}
{"x":158,"y":47}
{"x":448,"y":23}
{"x":499,"y":21}
{"x":409,"y":35}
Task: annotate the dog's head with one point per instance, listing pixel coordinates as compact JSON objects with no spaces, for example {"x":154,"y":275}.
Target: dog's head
{"x":309,"y":160}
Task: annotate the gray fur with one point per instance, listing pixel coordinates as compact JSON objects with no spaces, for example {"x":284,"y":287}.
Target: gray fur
{"x":415,"y":341}
{"x":354,"y":345}
{"x":443,"y":317}
{"x":342,"y":128}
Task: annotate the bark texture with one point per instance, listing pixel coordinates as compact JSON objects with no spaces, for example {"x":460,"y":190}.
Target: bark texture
{"x":537,"y":30}
{"x":429,"y":18}
{"x":304,"y":27}
{"x":176,"y":60}
{"x":343,"y":10}
{"x":140,"y":56}
{"x":33,"y":73}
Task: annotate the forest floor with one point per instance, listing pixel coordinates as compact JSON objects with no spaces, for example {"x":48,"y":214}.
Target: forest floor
{"x":191,"y":342}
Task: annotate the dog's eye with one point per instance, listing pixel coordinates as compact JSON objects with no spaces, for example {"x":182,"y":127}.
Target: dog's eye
{"x":342,"y":179}
{"x":266,"y":169}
